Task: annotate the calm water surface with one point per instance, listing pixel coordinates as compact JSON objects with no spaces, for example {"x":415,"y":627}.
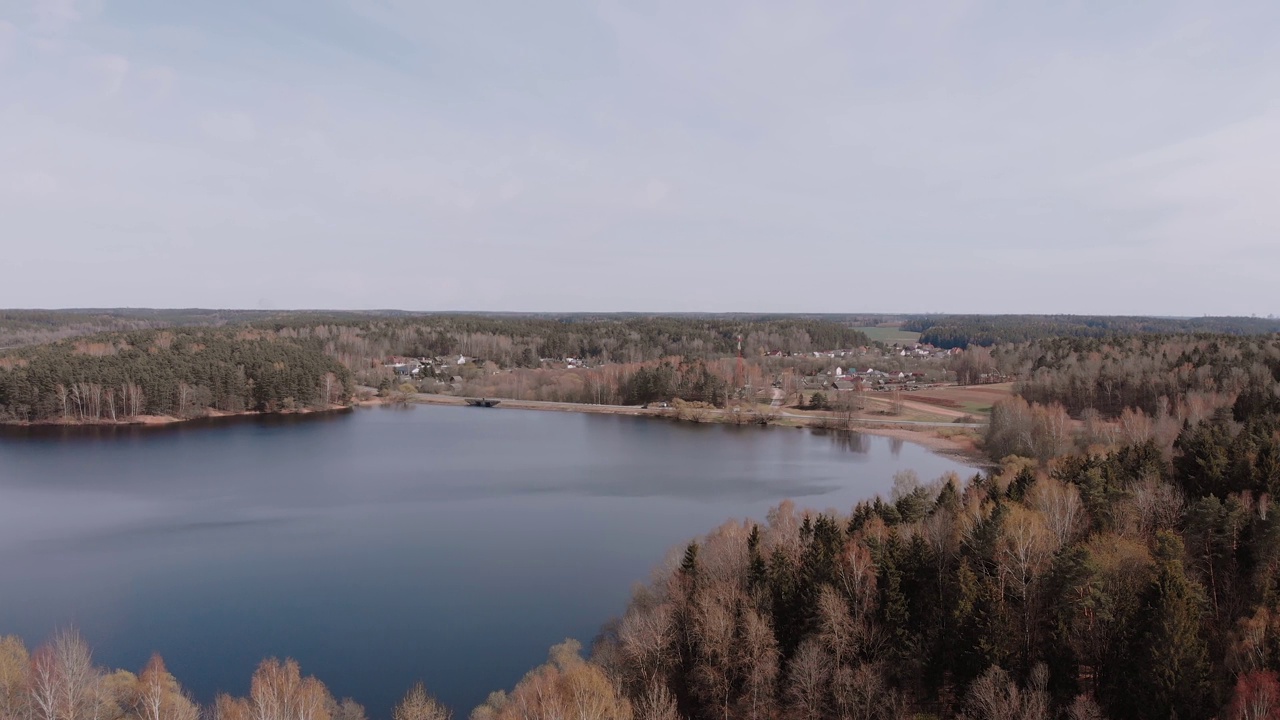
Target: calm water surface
{"x":451,"y":545}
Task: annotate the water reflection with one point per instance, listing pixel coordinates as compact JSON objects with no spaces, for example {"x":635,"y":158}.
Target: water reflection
{"x":131,"y":431}
{"x":847,"y":441}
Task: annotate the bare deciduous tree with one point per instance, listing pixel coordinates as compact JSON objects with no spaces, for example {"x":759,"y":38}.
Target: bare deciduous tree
{"x":808,"y":673}
{"x":14,"y":664}
{"x":348,"y":709}
{"x":1060,"y":505}
{"x":77,"y":677}
{"x":1158,"y":505}
{"x":657,"y":703}
{"x":418,"y":705}
{"x":279,"y":692}
{"x":1084,"y":708}
{"x":714,"y":674}
{"x":757,"y":655}
{"x":44,"y":684}
{"x":565,"y":687}
{"x":645,"y":635}
{"x":158,"y":695}
{"x":996,"y":696}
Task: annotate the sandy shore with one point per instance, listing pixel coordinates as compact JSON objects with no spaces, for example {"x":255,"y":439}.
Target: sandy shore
{"x":956,"y":447}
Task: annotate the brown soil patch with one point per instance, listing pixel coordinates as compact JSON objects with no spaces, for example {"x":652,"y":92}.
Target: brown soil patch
{"x":940,"y":401}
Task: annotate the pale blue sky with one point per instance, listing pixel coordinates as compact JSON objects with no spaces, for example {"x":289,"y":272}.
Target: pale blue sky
{"x":710,"y":155}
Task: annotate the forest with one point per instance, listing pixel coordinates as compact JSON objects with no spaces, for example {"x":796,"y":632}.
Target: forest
{"x":628,"y":357}
{"x":1085,"y":392}
{"x":178,"y":373}
{"x":949,"y":331}
{"x":1131,"y":580}
{"x":500,"y":337}
{"x":1087,"y":373}
{"x":521,"y":341}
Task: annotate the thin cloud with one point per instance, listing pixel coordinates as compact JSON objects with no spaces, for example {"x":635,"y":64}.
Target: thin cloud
{"x":8,"y":38}
{"x":57,"y":14}
{"x":229,"y":127}
{"x":111,"y":71}
{"x":160,"y":80}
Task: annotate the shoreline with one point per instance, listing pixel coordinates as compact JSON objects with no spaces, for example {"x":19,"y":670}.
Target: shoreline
{"x":958,"y":446}
{"x":962,"y":449}
{"x":961,"y":452}
{"x":166,"y":421}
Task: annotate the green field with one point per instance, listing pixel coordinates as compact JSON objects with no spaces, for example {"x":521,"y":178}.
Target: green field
{"x":889,"y":335}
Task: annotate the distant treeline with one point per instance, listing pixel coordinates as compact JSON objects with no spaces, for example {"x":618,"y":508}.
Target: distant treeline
{"x":33,"y":327}
{"x":179,"y":373}
{"x":511,"y":340}
{"x":951,"y":331}
{"x":523,"y":341}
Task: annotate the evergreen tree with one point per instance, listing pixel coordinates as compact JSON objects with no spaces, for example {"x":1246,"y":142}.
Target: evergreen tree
{"x":1170,"y":664}
{"x":1203,"y":463}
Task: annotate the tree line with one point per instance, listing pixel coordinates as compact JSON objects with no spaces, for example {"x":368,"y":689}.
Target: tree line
{"x":523,"y":341}
{"x":178,"y":373}
{"x":950,"y":331}
{"x":59,"y":681}
{"x":1143,"y":373}
{"x":508,"y":339}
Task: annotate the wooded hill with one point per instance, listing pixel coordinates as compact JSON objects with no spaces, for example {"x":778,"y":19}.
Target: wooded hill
{"x":179,"y":373}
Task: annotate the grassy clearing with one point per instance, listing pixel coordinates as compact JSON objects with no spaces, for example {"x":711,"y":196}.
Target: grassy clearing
{"x":889,"y":335}
{"x":976,"y":408}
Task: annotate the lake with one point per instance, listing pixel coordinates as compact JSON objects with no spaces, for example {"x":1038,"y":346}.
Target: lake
{"x":380,"y":547}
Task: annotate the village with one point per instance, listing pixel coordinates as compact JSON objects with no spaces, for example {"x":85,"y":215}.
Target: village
{"x":838,"y":377}
{"x":450,"y":367}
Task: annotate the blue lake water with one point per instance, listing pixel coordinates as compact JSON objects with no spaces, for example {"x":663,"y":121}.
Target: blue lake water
{"x":381,"y":547}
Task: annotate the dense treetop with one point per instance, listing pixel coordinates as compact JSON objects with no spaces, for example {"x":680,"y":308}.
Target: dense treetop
{"x":1153,"y":374}
{"x":505,"y":339}
{"x":501,"y":337}
{"x":949,"y":331}
{"x":179,"y":373}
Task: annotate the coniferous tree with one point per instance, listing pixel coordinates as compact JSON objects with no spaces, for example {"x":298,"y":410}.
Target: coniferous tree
{"x":1170,"y":663}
